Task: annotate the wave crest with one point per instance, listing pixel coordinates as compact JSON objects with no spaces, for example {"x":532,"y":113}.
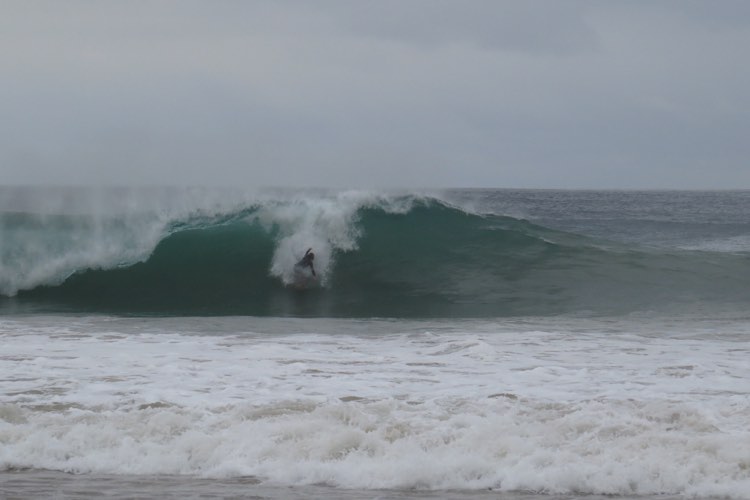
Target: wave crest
{"x":377,"y":255}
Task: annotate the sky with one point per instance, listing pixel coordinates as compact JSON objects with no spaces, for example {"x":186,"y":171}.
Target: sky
{"x":630,"y":94}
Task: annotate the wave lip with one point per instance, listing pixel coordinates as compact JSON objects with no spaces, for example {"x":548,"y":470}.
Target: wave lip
{"x":376,"y":255}
{"x":47,"y":249}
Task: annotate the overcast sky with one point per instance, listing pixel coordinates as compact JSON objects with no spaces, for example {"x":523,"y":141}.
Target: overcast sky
{"x":386,"y":93}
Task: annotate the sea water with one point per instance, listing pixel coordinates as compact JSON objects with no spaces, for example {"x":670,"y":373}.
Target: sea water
{"x":464,"y":344}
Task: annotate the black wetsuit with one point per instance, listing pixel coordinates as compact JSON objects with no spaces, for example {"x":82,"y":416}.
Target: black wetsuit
{"x":307,"y":261}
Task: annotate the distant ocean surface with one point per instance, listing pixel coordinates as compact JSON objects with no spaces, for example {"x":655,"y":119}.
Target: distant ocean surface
{"x":458,"y":344}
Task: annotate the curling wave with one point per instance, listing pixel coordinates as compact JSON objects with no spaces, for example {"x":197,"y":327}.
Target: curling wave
{"x":377,"y":256}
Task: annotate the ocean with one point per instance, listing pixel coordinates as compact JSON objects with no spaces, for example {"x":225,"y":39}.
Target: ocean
{"x":467,"y":344}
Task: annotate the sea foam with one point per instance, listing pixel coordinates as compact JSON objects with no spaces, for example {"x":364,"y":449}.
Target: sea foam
{"x":598,"y":413}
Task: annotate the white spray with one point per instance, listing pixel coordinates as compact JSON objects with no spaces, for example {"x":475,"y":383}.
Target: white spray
{"x":47,"y":234}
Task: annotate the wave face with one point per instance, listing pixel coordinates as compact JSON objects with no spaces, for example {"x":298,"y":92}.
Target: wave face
{"x":376,"y":256}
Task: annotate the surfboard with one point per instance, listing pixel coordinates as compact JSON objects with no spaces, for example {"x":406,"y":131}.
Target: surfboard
{"x":303,"y":278}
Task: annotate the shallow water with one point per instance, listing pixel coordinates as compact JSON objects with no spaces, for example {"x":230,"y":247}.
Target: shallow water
{"x":635,"y":406}
{"x":20,"y":485}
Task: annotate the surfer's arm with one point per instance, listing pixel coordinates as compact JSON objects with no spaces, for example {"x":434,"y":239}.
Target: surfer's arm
{"x":312,"y":269}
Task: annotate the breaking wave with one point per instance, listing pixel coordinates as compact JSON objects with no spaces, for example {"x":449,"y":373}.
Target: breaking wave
{"x":376,"y":255}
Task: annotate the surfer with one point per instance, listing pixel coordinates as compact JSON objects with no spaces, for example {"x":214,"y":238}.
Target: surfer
{"x":307,"y":261}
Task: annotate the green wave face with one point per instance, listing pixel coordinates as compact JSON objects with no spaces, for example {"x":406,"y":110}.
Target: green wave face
{"x":426,"y":260}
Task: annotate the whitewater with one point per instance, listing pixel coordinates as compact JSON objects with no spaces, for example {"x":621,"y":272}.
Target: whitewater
{"x":459,"y":344}
{"x":456,"y":254}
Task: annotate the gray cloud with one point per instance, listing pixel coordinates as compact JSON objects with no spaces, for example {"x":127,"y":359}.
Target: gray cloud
{"x":531,"y":26}
{"x":336,"y":93}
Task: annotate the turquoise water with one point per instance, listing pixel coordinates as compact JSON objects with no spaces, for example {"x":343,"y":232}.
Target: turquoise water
{"x":454,"y":254}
